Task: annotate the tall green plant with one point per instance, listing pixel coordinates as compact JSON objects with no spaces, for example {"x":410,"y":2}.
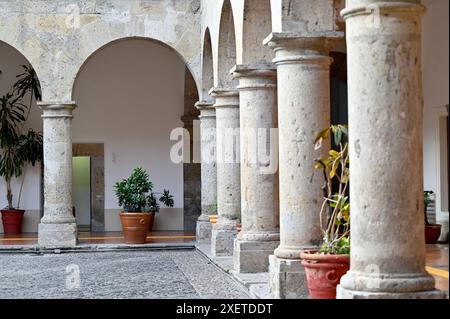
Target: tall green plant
{"x":18,"y":148}
{"x":336,"y":204}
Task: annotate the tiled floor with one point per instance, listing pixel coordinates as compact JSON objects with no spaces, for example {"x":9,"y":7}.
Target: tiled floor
{"x":437,"y":265}
{"x":156,"y":237}
{"x":437,"y":255}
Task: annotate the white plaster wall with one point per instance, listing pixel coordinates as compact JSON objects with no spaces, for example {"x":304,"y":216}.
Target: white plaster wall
{"x":435,"y":83}
{"x":130,"y":96}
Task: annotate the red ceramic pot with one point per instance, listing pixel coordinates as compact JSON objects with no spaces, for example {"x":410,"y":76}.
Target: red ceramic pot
{"x":12,"y":221}
{"x":323,"y":273}
{"x":432,"y":233}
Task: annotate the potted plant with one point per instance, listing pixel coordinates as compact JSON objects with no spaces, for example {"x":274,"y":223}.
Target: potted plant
{"x":432,"y":231}
{"x":214,"y":216}
{"x":325,"y":267}
{"x":17,"y":147}
{"x":140,"y":204}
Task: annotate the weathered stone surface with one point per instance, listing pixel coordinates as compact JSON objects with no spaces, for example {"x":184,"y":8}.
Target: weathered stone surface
{"x":287,"y":279}
{"x":57,"y":235}
{"x":301,"y":63}
{"x":58,"y":226}
{"x":385,"y":96}
{"x":259,"y":167}
{"x":222,"y":241}
{"x":208,"y":169}
{"x":228,"y":170}
{"x":57,"y":36}
{"x":203,"y":231}
{"x":253,"y":256}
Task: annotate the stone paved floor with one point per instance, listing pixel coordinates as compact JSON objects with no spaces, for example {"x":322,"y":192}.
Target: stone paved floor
{"x":153,"y":274}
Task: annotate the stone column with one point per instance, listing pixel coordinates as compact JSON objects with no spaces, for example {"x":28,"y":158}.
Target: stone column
{"x":208,"y":169}
{"x":57,"y":228}
{"x":385,"y":120}
{"x":260,"y":233}
{"x":191,"y":175}
{"x":303,"y":66}
{"x":228,"y":171}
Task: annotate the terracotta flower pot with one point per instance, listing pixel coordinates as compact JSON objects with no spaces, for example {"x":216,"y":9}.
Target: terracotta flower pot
{"x":432,"y":233}
{"x":323,"y":273}
{"x":12,"y":221}
{"x":136,"y":226}
{"x":213,"y":219}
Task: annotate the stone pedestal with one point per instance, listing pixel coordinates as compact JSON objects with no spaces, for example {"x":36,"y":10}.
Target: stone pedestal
{"x":259,"y":168}
{"x":57,"y":228}
{"x":385,"y":119}
{"x":208,"y":169}
{"x":228,"y":171}
{"x":287,"y":279}
{"x":303,"y":68}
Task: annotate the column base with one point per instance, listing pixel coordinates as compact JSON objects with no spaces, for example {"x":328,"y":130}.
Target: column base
{"x":222,"y":241}
{"x":342,"y":293}
{"x":203,"y":232}
{"x":57,"y":235}
{"x":361,"y":285}
{"x":253,"y":256}
{"x":287,"y":279}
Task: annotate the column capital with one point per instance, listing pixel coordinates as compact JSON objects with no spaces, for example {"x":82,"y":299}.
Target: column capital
{"x":255,"y":76}
{"x":206,"y":109}
{"x":57,"y":109}
{"x":225,"y":97}
{"x":303,"y":48}
{"x":356,"y":8}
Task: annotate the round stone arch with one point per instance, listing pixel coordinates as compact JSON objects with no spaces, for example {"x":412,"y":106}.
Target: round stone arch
{"x":227,"y":48}
{"x":26,"y":55}
{"x":207,"y":65}
{"x":98,"y":153}
{"x":191,"y":67}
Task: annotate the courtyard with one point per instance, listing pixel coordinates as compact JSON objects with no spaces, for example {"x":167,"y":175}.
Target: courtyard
{"x":115,"y":275}
{"x":225,"y":149}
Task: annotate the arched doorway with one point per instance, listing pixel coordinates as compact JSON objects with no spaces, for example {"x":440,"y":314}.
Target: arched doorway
{"x":131,"y":94}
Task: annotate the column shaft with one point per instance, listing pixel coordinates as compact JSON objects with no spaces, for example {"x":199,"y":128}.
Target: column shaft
{"x":58,"y":226}
{"x":208,"y":169}
{"x":385,"y":120}
{"x":228,"y":171}
{"x":259,"y":168}
{"x":303,"y":68}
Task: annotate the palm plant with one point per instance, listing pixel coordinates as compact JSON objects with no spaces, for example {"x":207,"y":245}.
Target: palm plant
{"x":17,"y":149}
{"x":336,"y":203}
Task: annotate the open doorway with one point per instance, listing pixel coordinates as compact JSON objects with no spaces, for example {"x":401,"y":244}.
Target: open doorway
{"x":81,"y":188}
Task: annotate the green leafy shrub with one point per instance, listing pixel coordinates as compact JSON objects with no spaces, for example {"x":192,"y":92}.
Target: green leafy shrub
{"x":136,"y":195}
